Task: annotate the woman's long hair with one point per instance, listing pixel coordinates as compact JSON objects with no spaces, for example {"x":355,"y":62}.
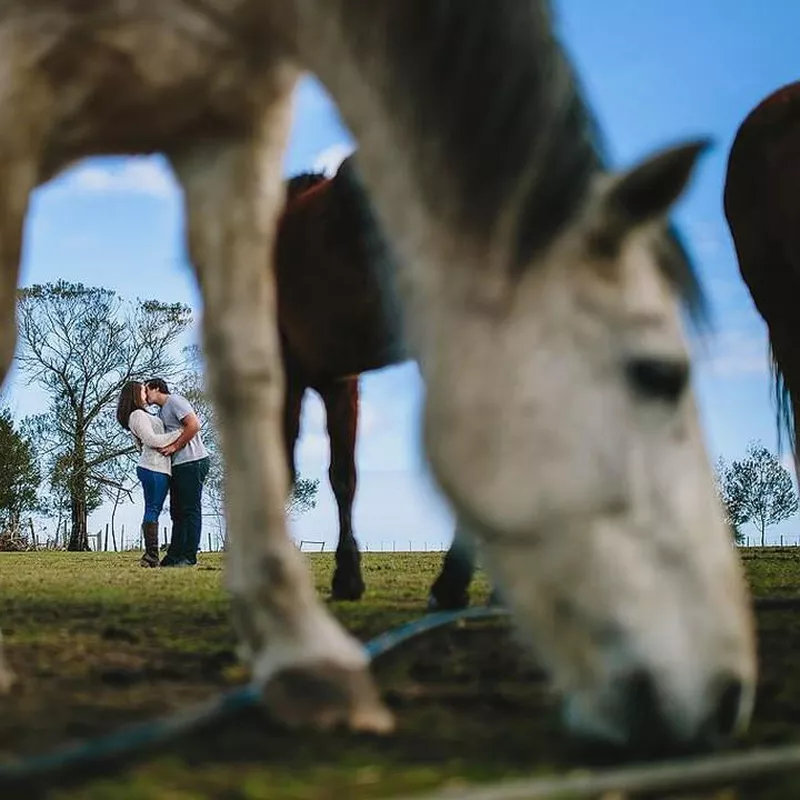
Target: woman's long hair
{"x":130,"y":398}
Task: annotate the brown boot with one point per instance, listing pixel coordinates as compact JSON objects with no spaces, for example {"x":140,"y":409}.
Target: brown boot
{"x":150,"y":557}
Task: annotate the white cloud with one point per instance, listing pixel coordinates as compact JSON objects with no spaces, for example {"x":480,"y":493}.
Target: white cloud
{"x":143,"y":176}
{"x":735,"y":353}
{"x":330,"y":158}
{"x":312,"y":453}
{"x":313,"y":418}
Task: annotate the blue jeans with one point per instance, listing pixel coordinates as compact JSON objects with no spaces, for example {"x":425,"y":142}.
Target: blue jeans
{"x":155,"y":486}
{"x":185,"y":508}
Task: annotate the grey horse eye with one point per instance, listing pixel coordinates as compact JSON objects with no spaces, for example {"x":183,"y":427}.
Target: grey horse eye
{"x":658,"y":378}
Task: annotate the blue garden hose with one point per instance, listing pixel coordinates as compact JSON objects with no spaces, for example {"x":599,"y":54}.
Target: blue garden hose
{"x":146,"y":734}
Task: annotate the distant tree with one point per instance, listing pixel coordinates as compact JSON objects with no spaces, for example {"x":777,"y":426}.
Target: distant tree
{"x":732,"y":512}
{"x":736,"y":533}
{"x":303,"y":496}
{"x":19,"y":474}
{"x":757,"y":489}
{"x":81,"y":344}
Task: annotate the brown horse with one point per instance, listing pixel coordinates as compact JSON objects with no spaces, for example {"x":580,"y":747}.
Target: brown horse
{"x":338,"y":319}
{"x":334,"y":324}
{"x":762,"y":206}
{"x":541,"y":299}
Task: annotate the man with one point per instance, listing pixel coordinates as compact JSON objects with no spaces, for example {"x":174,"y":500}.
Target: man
{"x":190,"y":465}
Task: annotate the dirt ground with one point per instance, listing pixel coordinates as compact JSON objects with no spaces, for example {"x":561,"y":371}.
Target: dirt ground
{"x":99,"y":642}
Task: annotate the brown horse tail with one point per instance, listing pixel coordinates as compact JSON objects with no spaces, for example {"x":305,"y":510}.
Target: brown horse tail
{"x":784,"y":409}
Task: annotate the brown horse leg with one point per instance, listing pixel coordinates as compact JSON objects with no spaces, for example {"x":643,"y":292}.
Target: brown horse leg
{"x":292,"y":406}
{"x":312,"y":671}
{"x":341,"y":407}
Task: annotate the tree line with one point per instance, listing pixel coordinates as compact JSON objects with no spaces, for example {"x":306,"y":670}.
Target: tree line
{"x":80,"y":345}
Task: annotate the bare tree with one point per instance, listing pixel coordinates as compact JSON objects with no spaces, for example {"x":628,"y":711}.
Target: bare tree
{"x":81,"y":344}
{"x":757,"y":489}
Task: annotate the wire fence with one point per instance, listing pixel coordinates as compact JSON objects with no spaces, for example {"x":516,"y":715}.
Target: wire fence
{"x":110,"y":538}
{"x":782,"y":540}
{"x":380,"y":546}
{"x":117,"y":538}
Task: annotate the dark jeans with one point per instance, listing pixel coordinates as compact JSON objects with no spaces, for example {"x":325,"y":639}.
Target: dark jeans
{"x":185,"y":508}
{"x":155,"y":486}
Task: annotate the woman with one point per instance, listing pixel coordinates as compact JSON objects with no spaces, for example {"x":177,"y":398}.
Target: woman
{"x":153,"y":469}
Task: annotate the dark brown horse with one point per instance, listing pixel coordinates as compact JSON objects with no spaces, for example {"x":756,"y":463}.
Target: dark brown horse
{"x":334,"y":325}
{"x":762,"y":206}
{"x":337,"y":319}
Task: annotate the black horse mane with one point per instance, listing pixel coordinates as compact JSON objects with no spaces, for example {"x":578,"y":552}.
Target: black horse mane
{"x":496,"y":102}
{"x":297,"y":184}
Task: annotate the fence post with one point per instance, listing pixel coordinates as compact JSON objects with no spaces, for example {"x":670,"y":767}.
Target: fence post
{"x":122,"y":538}
{"x":33,"y":535}
{"x":105,"y":545}
{"x":781,"y":540}
{"x":166,"y":540}
{"x":99,"y":540}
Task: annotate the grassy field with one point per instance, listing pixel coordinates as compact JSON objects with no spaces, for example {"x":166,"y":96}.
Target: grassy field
{"x":99,"y":642}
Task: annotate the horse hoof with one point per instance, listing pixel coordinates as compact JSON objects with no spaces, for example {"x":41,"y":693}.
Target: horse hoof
{"x":324,"y":696}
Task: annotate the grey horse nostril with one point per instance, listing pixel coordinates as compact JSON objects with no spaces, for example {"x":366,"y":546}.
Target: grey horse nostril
{"x":644,"y":710}
{"x":726,"y":715}
{"x":641,"y":694}
{"x":658,"y":378}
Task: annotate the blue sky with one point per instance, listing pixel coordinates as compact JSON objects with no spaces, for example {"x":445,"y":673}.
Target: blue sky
{"x":655,"y":71}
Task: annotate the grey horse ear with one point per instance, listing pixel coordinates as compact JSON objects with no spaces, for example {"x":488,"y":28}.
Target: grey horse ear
{"x":649,"y":189}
